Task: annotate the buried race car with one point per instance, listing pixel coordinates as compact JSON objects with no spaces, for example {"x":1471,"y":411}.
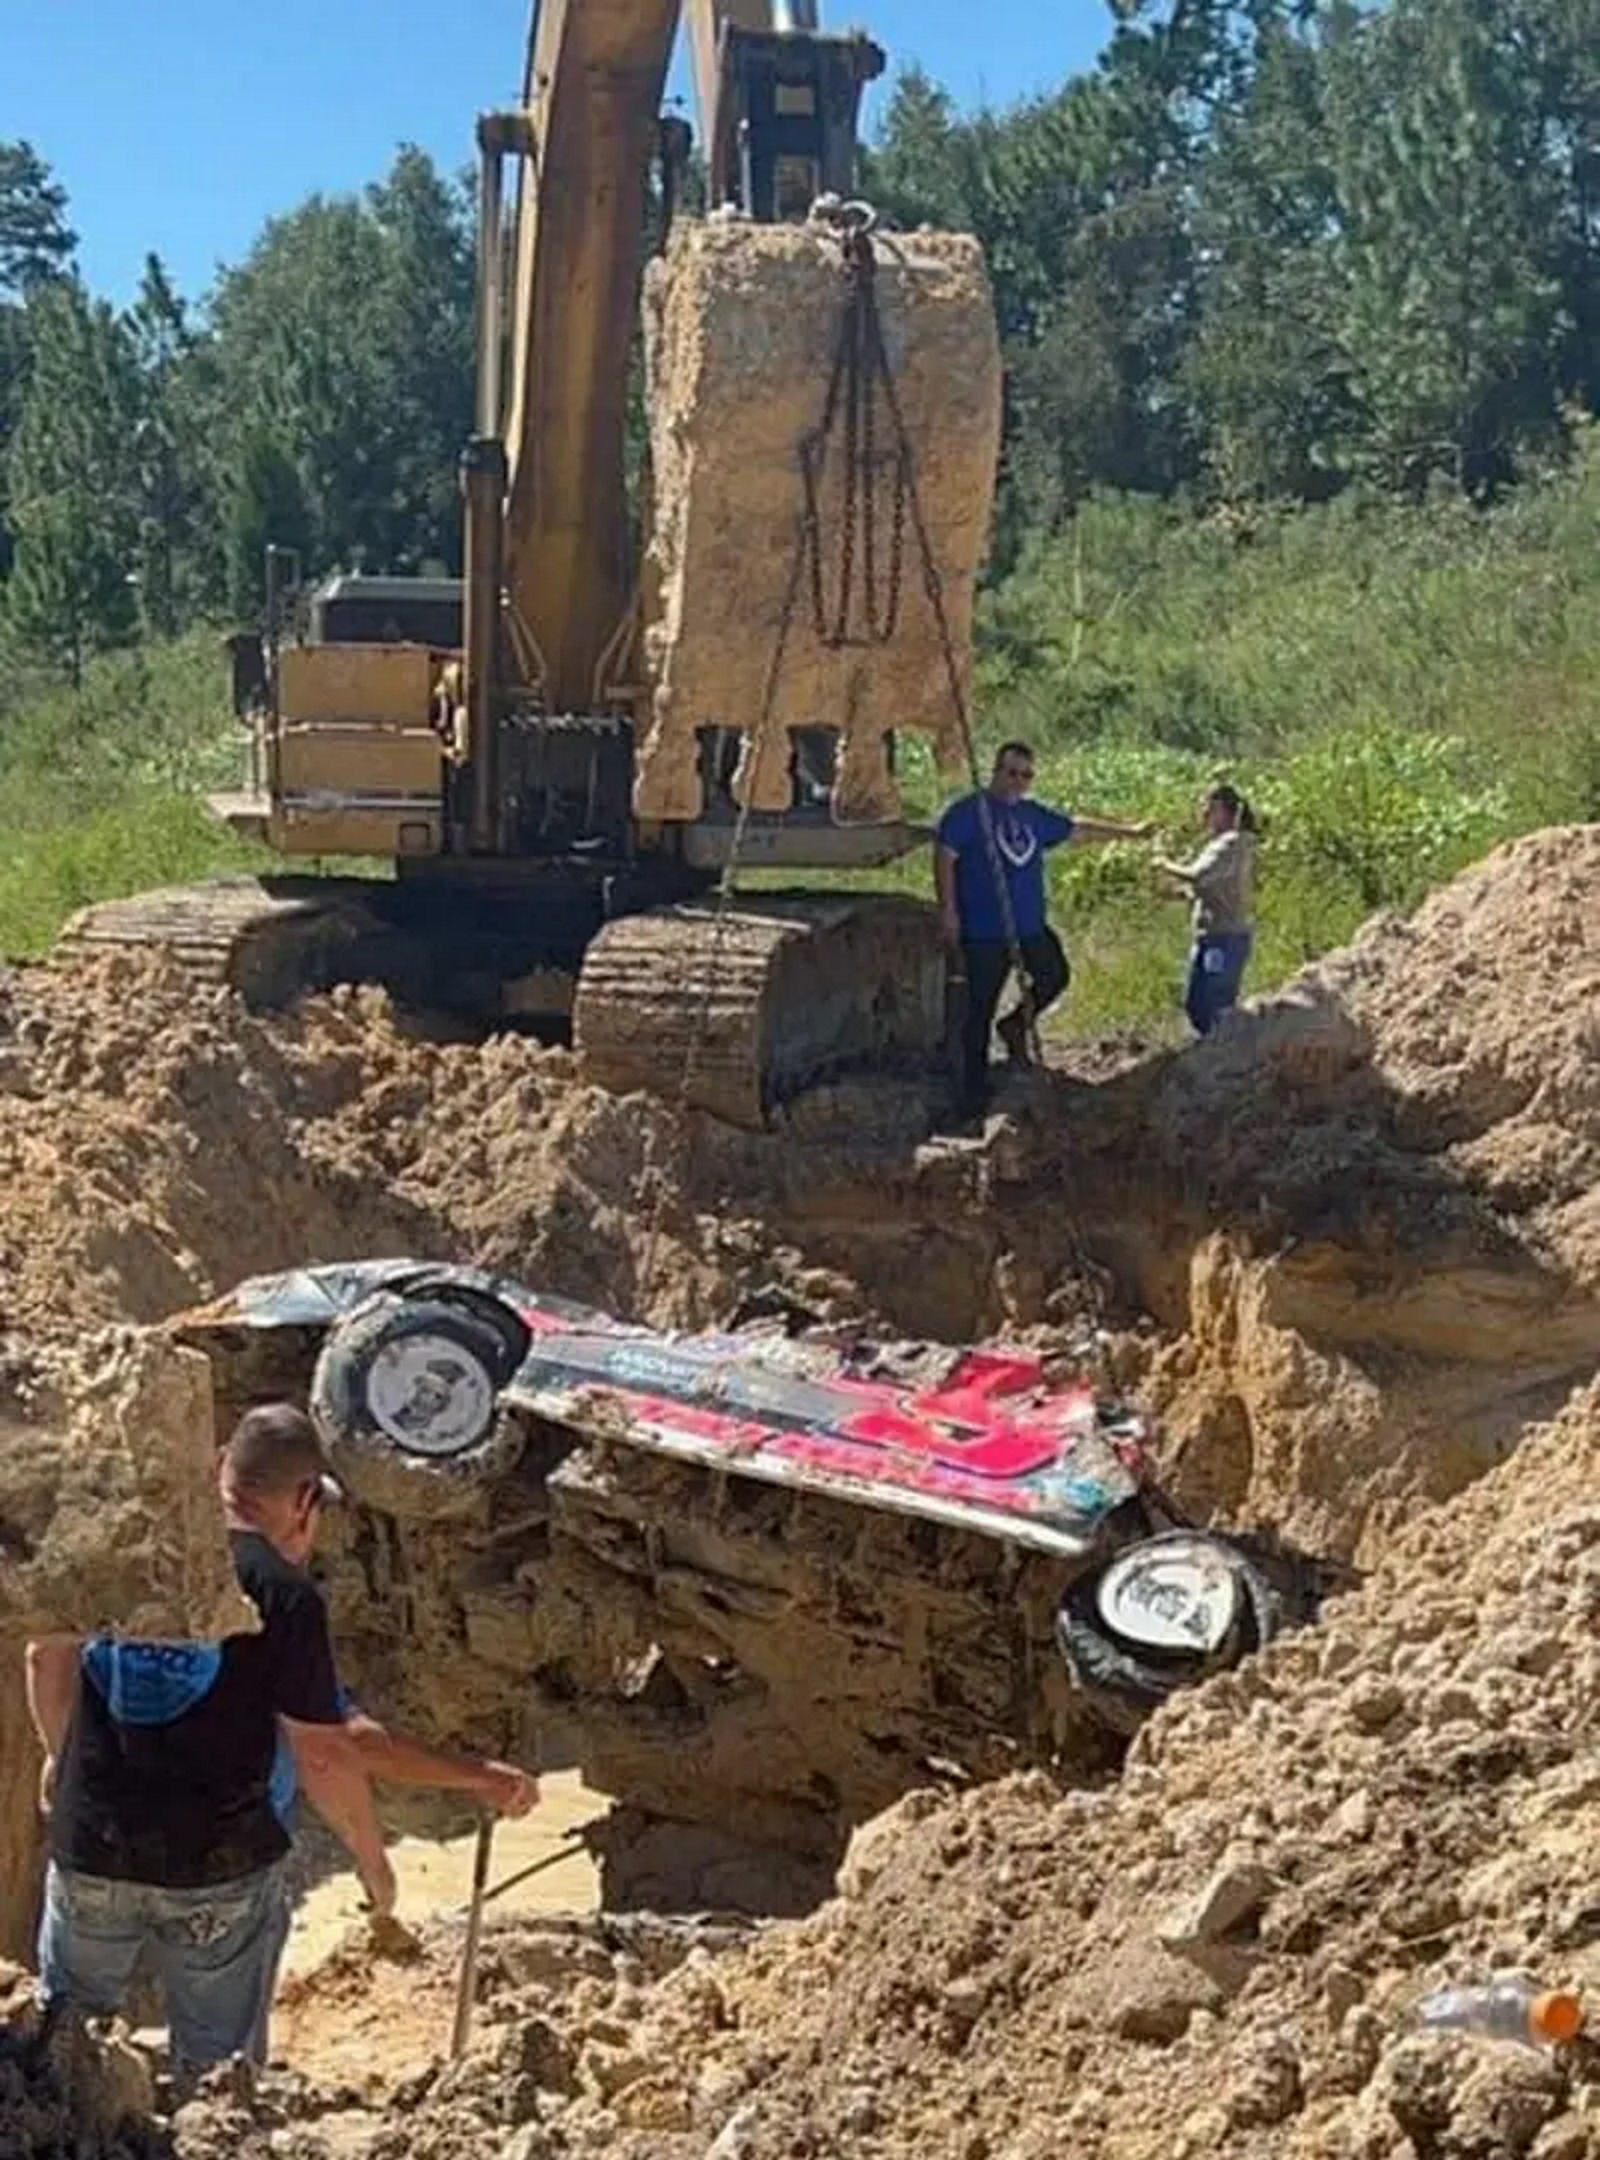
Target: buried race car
{"x":759,"y":1583}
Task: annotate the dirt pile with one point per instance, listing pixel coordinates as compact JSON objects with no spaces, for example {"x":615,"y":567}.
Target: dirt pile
{"x":150,"y":1144}
{"x":1350,"y":1246}
{"x":71,"y":2091}
{"x":1367,"y":1216}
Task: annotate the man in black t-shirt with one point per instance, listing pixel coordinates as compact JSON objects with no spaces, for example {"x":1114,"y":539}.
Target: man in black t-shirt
{"x":159,"y":1771}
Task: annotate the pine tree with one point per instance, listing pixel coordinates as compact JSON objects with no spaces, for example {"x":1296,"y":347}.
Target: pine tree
{"x":36,"y":245}
{"x":263,"y":505}
{"x":164,"y":467}
{"x":1268,"y":371}
{"x":36,"y":242}
{"x":1450,"y":211}
{"x":74,"y":497}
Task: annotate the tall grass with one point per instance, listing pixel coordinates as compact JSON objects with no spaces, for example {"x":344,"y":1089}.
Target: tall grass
{"x":102,"y":786}
{"x":1398,"y":688}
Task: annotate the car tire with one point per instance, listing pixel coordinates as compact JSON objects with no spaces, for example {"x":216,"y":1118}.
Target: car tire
{"x":1124,"y":1679}
{"x":406,"y":1397}
{"x":510,"y":1330}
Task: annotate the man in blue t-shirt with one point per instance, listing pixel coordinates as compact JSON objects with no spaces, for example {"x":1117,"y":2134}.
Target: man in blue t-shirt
{"x":988,"y":864}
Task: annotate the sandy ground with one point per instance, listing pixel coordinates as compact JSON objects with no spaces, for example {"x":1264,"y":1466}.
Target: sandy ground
{"x":395,"y":2012}
{"x":436,"y":1880}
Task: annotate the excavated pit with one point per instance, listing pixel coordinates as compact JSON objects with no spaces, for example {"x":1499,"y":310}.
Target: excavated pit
{"x":1349,"y":1249}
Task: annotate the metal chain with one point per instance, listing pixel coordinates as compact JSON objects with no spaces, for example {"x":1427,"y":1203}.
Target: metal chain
{"x":853,"y":379}
{"x":877,"y":361}
{"x":805,"y":539}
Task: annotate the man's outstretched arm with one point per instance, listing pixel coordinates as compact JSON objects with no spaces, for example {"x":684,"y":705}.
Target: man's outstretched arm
{"x":1097,"y":829}
{"x":398,"y":1759}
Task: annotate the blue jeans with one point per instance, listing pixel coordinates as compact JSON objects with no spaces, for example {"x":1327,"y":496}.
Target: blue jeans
{"x":1216,"y":971}
{"x":216,"y":1952}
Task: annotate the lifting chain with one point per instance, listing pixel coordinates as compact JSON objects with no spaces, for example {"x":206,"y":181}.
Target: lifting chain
{"x":855,"y":382}
{"x":862,"y":358}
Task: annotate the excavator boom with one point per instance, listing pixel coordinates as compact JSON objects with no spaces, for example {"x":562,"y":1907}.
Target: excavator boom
{"x":596,"y":73}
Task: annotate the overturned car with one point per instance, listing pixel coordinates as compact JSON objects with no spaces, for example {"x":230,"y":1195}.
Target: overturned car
{"x":757,"y":1583}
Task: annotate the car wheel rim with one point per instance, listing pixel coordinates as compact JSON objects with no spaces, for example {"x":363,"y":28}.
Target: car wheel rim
{"x":429,"y":1395}
{"x":1176,"y":1595}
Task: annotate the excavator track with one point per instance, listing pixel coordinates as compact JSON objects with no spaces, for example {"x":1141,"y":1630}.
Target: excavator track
{"x":736,"y":1009}
{"x":733,"y":1010}
{"x":270,"y":940}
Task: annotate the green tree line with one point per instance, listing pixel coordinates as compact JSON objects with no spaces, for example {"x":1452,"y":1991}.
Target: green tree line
{"x":1266,"y":251}
{"x":1261,"y":251}
{"x":319,"y":398}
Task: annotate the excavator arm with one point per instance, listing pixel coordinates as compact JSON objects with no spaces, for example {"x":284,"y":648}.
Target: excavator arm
{"x":547,"y":516}
{"x":596,"y":73}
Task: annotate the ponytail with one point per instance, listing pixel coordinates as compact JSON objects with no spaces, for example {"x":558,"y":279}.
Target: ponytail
{"x":1238,"y":809}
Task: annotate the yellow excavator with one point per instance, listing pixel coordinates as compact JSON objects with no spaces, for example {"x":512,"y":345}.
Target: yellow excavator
{"x":477,"y":736}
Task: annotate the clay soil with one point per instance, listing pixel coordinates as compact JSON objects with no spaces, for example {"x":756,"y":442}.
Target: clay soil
{"x":1350,"y":1249}
{"x":742,"y":330}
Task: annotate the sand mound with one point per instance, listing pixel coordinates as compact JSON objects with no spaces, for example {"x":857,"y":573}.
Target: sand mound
{"x":150,"y":1144}
{"x":1386,"y":1184}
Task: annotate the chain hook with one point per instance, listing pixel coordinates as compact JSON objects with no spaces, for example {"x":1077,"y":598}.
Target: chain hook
{"x":849,"y":216}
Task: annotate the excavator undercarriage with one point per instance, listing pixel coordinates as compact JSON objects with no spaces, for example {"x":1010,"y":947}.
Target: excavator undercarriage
{"x":731,"y":1009}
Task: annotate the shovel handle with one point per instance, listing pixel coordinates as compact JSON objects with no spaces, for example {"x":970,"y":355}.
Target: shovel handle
{"x":467,"y":1986}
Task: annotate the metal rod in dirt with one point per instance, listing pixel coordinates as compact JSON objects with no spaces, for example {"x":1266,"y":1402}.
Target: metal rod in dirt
{"x":564,"y":1851}
{"x":467,"y":1987}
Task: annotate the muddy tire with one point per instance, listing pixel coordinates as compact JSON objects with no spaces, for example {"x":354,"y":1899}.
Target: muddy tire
{"x":509,"y":1328}
{"x":406,"y":1397}
{"x":1126,"y":1671}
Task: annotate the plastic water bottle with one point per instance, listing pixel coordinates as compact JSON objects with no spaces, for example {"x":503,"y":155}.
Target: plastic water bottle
{"x":1509,"y":2007}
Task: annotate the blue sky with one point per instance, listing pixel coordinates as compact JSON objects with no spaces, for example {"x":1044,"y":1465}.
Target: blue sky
{"x":180,"y":125}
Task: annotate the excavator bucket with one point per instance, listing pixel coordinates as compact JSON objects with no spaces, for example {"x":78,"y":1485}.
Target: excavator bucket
{"x":825,"y":427}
